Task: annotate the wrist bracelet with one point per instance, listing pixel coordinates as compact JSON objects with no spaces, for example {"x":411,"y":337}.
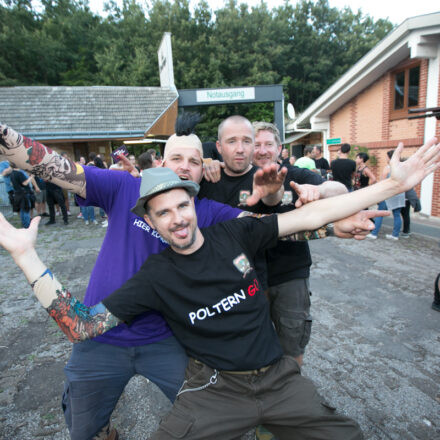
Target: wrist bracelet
{"x":47,"y":271}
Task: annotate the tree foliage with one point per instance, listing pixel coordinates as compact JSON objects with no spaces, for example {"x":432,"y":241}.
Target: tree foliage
{"x":306,"y":46}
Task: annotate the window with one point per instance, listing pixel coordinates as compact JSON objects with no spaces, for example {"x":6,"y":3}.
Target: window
{"x":405,"y":91}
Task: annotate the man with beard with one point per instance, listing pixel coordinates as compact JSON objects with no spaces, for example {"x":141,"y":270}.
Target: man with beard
{"x":207,"y":287}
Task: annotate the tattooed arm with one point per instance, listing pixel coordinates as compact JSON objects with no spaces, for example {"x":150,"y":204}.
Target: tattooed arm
{"x":41,"y":161}
{"x":76,"y":320}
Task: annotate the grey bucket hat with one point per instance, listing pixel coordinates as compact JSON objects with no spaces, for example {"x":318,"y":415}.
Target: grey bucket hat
{"x":156,"y":180}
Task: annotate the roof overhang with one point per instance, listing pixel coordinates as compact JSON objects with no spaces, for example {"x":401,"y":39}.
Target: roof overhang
{"x":416,"y":37}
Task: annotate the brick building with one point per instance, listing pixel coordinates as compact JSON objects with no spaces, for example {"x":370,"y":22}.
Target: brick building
{"x":369,"y":105}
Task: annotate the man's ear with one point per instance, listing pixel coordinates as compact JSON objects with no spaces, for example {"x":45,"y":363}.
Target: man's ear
{"x":148,"y":220}
{"x":219,"y":147}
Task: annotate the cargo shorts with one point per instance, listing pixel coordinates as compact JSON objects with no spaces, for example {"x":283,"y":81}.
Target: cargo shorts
{"x":290,"y":313}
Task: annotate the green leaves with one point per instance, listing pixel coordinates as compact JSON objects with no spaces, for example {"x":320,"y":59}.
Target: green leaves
{"x":306,"y":46}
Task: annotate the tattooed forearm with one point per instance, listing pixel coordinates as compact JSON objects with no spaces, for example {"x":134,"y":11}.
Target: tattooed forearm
{"x":41,"y":161}
{"x":77,"y":321}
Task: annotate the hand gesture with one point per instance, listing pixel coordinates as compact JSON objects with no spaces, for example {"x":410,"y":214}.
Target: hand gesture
{"x":306,"y":193}
{"x":18,"y":241}
{"x":128,"y":166}
{"x":268,"y":181}
{"x":358,"y":225}
{"x":212,"y":170}
{"x":411,"y":172}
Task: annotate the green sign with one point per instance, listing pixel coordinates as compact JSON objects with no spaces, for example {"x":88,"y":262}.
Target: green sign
{"x":333,"y":141}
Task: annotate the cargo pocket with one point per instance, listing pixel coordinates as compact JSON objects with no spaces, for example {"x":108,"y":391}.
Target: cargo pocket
{"x":177,"y":423}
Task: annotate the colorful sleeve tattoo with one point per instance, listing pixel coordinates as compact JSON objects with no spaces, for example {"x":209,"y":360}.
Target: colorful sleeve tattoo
{"x":322,"y":232}
{"x":76,"y":320}
{"x":41,"y":161}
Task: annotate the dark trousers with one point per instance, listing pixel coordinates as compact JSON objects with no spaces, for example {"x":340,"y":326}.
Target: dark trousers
{"x":405,"y":211}
{"x":221,"y":405}
{"x":52,"y":197}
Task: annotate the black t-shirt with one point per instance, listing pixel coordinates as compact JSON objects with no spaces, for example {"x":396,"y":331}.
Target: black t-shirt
{"x":233,"y":191}
{"x":322,"y":163}
{"x":291,"y":260}
{"x":342,"y":170}
{"x":17,"y":179}
{"x":211,"y":298}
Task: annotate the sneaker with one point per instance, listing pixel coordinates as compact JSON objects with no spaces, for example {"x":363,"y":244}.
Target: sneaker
{"x":69,"y":213}
{"x":86,"y":222}
{"x":405,"y":234}
{"x":104,"y":224}
{"x":372,"y":236}
{"x":79,"y":215}
{"x":57,"y":213}
{"x":66,"y":222}
{"x":391,"y":237}
{"x":435,"y":306}
{"x":95,"y":222}
{"x":45,"y":214}
{"x":49,"y":223}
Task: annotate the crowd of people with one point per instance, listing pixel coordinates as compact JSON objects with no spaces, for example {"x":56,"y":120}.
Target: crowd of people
{"x":177,"y":293}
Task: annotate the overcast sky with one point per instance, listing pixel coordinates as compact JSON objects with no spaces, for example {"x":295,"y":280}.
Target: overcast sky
{"x":395,"y":10}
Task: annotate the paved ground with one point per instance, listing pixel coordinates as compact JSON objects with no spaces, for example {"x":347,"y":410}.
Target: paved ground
{"x":374,"y":353}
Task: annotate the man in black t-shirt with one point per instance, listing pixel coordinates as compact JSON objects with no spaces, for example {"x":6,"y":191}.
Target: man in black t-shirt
{"x":288,"y":264}
{"x":320,"y":162}
{"x":288,"y":261}
{"x":343,"y":168}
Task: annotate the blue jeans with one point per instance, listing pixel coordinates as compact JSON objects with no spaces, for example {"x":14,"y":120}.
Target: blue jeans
{"x":25,"y":217}
{"x":88,"y":213}
{"x":397,"y":220}
{"x":97,"y":373}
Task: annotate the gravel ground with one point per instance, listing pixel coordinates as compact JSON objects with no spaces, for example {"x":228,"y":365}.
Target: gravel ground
{"x":374,"y":352}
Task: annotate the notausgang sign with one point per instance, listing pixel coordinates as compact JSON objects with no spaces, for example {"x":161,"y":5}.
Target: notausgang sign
{"x":239,"y":94}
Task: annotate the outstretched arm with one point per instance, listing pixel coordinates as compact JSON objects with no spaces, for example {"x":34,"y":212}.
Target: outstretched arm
{"x":76,"y":320}
{"x":404,"y":175}
{"x":41,"y":161}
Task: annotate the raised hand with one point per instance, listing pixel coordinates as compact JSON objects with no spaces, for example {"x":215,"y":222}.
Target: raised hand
{"x":128,"y":166}
{"x":18,"y":241}
{"x":268,"y":181}
{"x":409,"y":173}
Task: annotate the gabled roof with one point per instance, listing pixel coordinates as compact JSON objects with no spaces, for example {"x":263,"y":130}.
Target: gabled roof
{"x":97,"y":112}
{"x":415,"y":37}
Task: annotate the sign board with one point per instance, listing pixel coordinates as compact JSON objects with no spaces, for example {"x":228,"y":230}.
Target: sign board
{"x":333,"y":141}
{"x":216,"y":95}
{"x":165,"y":59}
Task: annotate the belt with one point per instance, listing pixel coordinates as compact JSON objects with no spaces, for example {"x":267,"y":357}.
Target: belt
{"x":240,"y":372}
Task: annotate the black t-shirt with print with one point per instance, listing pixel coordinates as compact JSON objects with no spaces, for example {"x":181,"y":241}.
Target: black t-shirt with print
{"x":291,"y":260}
{"x":342,"y":170}
{"x":211,"y":298}
{"x":233,"y":191}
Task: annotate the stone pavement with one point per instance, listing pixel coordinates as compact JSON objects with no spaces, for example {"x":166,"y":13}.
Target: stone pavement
{"x":374,"y":352}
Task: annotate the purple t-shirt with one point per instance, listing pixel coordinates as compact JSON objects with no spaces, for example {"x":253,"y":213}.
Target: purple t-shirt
{"x":127,"y":244}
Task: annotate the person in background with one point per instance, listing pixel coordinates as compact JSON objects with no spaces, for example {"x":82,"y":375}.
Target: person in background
{"x":343,"y":168}
{"x":307,"y":160}
{"x":40,"y":198}
{"x":321,"y":162}
{"x":54,"y":194}
{"x":5,"y":171}
{"x":132,"y":159}
{"x":292,"y":160}
{"x":393,"y":204}
{"x":285,"y":157}
{"x":154,"y":156}
{"x":145,"y":161}
{"x":24,"y":198}
{"x":436,"y":303}
{"x":363,"y":175}
{"x":411,"y":200}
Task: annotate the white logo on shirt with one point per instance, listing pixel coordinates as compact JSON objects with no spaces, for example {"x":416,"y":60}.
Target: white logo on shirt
{"x":242,"y":264}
